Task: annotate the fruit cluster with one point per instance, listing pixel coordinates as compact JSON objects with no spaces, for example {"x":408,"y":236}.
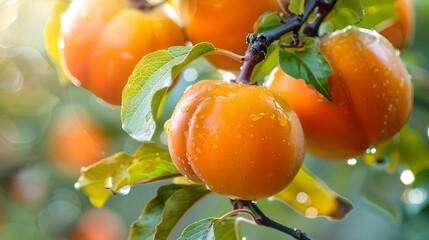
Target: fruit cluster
{"x":223,"y":132}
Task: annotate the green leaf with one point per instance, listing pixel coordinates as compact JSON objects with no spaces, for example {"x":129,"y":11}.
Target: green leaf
{"x":211,"y":228}
{"x":296,"y":6}
{"x":51,"y":34}
{"x":307,"y":192}
{"x":162,"y":213}
{"x":267,"y":21}
{"x":308,"y":65}
{"x":149,"y":82}
{"x":364,"y":13}
{"x":225,"y":230}
{"x":345,"y":13}
{"x":117,"y":173}
{"x":200,"y":230}
{"x":377,"y":13}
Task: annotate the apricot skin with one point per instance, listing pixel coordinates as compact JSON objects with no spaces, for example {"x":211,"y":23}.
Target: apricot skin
{"x":241,"y":141}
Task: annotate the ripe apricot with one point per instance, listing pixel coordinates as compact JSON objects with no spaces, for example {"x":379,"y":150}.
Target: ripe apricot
{"x":224,"y":23}
{"x":371,"y":90}
{"x":401,"y":30}
{"x":102,"y":41}
{"x":239,"y":140}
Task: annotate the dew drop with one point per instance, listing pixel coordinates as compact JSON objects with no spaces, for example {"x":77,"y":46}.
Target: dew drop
{"x":217,"y":137}
{"x":124,"y":190}
{"x":200,"y":135}
{"x":167,"y":127}
{"x":198,"y":150}
{"x":283,"y":121}
{"x":185,"y":133}
{"x":214,"y":146}
{"x":185,"y":108}
{"x":256,"y":116}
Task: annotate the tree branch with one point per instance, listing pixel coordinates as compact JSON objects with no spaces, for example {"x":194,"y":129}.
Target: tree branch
{"x":262,"y":219}
{"x":260,"y":42}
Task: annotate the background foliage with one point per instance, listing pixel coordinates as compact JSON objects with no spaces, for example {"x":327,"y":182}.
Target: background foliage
{"x":37,"y":195}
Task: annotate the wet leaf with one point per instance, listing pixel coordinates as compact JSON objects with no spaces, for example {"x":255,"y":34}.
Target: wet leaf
{"x":311,"y":197}
{"x":117,"y":173}
{"x":162,"y":213}
{"x":147,"y":85}
{"x":308,"y":65}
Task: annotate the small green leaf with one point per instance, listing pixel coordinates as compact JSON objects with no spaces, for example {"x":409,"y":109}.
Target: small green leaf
{"x":51,"y":34}
{"x":149,"y":82}
{"x":267,"y":21}
{"x":211,"y":228}
{"x":225,"y":230}
{"x":308,"y":65}
{"x":117,"y":173}
{"x":364,"y":13}
{"x":296,"y":6}
{"x":377,"y":13}
{"x":200,"y":230}
{"x":345,"y":13}
{"x":162,"y":213}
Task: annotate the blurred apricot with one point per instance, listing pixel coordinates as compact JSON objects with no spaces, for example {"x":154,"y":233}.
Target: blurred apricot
{"x":76,"y":140}
{"x":400,"y":31}
{"x":98,"y":224}
{"x":224,"y":23}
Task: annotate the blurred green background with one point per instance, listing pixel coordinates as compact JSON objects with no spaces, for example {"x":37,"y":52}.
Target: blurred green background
{"x":49,"y":130}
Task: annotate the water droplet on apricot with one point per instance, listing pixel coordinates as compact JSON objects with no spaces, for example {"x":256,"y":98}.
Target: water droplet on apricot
{"x":217,"y":137}
{"x":167,"y":126}
{"x":283,"y":121}
{"x":185,"y":109}
{"x":256,"y":116}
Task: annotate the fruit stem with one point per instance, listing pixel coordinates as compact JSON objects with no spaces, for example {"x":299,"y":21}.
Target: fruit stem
{"x":260,"y":42}
{"x":261,"y":219}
